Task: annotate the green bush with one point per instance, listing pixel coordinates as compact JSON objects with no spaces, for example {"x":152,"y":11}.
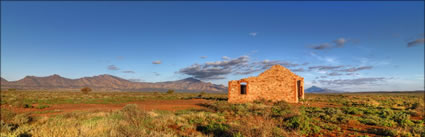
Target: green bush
{"x":302,"y":123}
{"x":382,"y":131}
{"x":42,"y":106}
{"x":332,"y":111}
{"x":402,"y":119}
{"x":375,"y":120}
{"x":170,"y":91}
{"x":352,"y":110}
{"x":21,"y":104}
{"x":282,"y":109}
{"x":201,"y":94}
{"x":386,"y":113}
{"x":218,"y":129}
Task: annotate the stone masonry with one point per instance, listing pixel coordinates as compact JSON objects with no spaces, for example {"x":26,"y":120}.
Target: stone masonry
{"x":276,"y":84}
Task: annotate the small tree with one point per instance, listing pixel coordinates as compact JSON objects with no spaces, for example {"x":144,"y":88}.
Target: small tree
{"x":170,"y":91}
{"x":156,"y":93}
{"x":86,"y":90}
{"x":201,"y":94}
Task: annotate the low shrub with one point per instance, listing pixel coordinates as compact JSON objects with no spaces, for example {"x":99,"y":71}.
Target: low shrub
{"x":375,"y":120}
{"x":86,"y":90}
{"x":170,"y":91}
{"x":21,"y":119}
{"x":386,"y":113}
{"x":302,"y":123}
{"x":21,"y":104}
{"x":256,"y":126}
{"x":382,"y":131}
{"x":282,"y":109}
{"x":132,"y":114}
{"x":332,"y":111}
{"x":352,"y":110}
{"x":6,"y":115}
{"x":202,"y":94}
{"x":218,"y":129}
{"x":42,"y":106}
{"x":402,"y":119}
{"x":6,"y":128}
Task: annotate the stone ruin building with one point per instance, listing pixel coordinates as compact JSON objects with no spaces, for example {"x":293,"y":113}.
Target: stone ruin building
{"x":275,"y":84}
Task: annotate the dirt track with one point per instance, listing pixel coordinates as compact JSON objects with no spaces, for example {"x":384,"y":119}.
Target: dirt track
{"x":148,"y":105}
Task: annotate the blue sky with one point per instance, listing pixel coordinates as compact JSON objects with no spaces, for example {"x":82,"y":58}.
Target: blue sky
{"x":351,"y":46}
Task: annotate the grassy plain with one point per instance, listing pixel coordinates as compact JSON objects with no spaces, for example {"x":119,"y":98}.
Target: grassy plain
{"x":30,"y":113}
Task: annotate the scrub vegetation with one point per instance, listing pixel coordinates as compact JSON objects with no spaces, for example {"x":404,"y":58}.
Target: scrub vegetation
{"x":349,"y":114}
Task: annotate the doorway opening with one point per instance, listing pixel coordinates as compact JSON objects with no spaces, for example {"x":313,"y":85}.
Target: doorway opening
{"x":299,"y":89}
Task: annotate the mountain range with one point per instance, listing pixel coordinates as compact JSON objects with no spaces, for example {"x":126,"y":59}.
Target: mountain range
{"x":315,"y":89}
{"x":109,"y":83}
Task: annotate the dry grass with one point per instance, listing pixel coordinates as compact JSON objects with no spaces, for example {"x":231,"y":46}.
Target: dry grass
{"x":321,"y":115}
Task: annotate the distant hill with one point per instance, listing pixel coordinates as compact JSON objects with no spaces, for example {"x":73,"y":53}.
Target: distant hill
{"x":3,"y":80}
{"x":315,"y":89}
{"x":109,"y":83}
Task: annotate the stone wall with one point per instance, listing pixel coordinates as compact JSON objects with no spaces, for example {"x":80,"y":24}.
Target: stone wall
{"x":275,"y":84}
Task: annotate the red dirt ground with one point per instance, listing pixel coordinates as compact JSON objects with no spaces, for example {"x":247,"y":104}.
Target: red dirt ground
{"x":148,"y":105}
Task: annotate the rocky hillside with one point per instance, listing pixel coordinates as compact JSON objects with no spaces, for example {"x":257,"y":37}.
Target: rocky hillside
{"x":109,"y":83}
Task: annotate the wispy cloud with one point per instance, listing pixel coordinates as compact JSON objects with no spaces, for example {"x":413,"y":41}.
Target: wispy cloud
{"x":326,"y":59}
{"x":225,"y":58}
{"x":204,"y":57}
{"x":253,"y":34}
{"x":238,"y":66}
{"x":355,"y":69}
{"x":156,"y":62}
{"x":416,"y":42}
{"x":298,"y":70}
{"x":263,"y":65}
{"x":135,"y":80}
{"x":325,"y":67}
{"x":322,"y":46}
{"x":334,"y":74}
{"x":128,"y":71}
{"x":214,"y":70}
{"x":351,"y":74}
{"x":113,"y":67}
{"x":338,"y":43}
{"x":357,"y":81}
{"x":120,"y":57}
{"x":156,"y":73}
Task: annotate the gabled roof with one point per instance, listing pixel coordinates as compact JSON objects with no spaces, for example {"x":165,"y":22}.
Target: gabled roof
{"x":276,"y":70}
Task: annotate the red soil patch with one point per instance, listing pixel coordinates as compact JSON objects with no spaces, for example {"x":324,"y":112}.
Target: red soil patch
{"x":416,"y":117}
{"x":148,"y":105}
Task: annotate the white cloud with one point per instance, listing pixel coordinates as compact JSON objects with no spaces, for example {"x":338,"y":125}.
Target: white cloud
{"x":252,"y":34}
{"x":225,"y":58}
{"x":156,"y":62}
{"x":340,"y":42}
{"x":113,"y":67}
{"x":330,"y":60}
